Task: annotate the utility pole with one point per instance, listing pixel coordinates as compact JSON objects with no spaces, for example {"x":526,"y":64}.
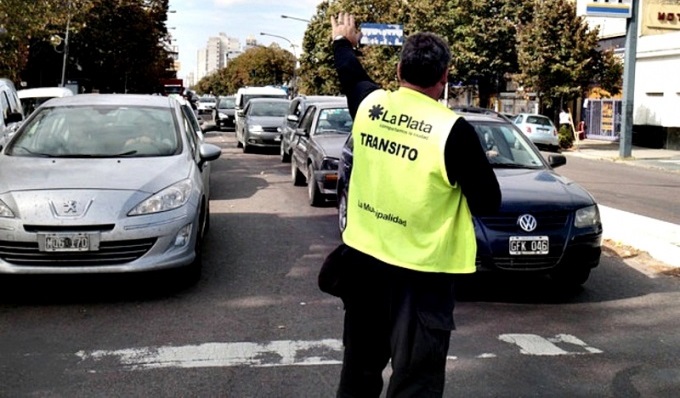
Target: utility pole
{"x":626,"y":138}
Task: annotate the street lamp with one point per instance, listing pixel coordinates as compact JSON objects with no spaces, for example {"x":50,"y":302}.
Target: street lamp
{"x":63,"y":63}
{"x":296,"y":18}
{"x":282,"y":38}
{"x":294,"y":54}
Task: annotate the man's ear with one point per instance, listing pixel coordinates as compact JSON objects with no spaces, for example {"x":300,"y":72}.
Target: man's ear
{"x":444,"y":78}
{"x":399,"y":71}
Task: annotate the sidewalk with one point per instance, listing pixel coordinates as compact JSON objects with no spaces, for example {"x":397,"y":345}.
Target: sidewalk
{"x":658,"y":238}
{"x":665,"y":159}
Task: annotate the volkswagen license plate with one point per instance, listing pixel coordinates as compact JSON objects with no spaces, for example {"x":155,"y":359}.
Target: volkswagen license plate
{"x":68,"y":242}
{"x":529,"y":245}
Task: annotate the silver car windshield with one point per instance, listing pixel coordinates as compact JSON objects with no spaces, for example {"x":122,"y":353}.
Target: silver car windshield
{"x":506,"y":146}
{"x":97,"y":131}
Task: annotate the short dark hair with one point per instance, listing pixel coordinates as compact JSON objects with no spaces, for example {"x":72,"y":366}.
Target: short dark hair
{"x":424,"y":58}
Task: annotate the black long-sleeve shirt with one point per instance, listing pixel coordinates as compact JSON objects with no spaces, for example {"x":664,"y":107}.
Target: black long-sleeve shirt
{"x":464,"y":157}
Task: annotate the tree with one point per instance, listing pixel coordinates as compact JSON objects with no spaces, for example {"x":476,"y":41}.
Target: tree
{"x":122,"y":48}
{"x":557,"y":53}
{"x":481,"y":33}
{"x":257,"y":66}
{"x":483,"y":37}
{"x":27,"y":28}
{"x":317,"y":72}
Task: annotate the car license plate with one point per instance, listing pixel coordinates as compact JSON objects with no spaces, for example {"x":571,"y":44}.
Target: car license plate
{"x":529,"y":245}
{"x":277,"y":138}
{"x":68,"y":242}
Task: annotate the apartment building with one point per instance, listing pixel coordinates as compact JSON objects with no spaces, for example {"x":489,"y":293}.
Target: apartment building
{"x":218,"y":51}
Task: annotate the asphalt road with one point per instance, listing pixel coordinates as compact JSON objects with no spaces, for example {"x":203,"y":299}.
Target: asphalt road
{"x":256,"y":325}
{"x":640,"y":190}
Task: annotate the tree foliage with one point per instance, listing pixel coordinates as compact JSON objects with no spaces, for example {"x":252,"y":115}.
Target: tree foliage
{"x":317,"y":73}
{"x":121,"y":48}
{"x":483,"y":39}
{"x":114,"y":45}
{"x":257,"y":66}
{"x":28,"y":24}
{"x":558,"y":54}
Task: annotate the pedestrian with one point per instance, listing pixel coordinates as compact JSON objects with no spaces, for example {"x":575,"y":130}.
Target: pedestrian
{"x":419,"y":171}
{"x":565,"y":119}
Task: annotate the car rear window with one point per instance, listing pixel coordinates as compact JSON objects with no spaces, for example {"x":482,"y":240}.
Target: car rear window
{"x":540,"y":120}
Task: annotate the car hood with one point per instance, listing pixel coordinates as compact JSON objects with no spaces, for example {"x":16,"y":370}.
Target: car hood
{"x":266,"y":121}
{"x":540,"y":190}
{"x":331,"y":144}
{"x":138,"y":174}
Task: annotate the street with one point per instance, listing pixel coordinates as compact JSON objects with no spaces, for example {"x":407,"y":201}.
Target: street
{"x":256,"y":325}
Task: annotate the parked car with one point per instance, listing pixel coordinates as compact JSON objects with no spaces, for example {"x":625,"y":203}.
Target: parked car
{"x":546,"y":223}
{"x":261,"y":120}
{"x":539,"y":129}
{"x":224,"y":112}
{"x":31,"y":98}
{"x":117,"y":185}
{"x":205,"y":104}
{"x":316,"y":151}
{"x":12,"y":112}
{"x":298,"y":106}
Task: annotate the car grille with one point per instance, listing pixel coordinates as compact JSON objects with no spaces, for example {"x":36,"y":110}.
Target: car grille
{"x":520,"y":262}
{"x":508,"y":223}
{"x":270,"y":129}
{"x":109,"y":253}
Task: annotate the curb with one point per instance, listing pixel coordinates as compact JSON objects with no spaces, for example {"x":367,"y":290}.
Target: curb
{"x":658,"y":238}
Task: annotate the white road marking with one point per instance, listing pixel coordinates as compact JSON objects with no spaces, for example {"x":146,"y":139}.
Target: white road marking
{"x":288,"y":353}
{"x":275,"y":353}
{"x":531,"y":344}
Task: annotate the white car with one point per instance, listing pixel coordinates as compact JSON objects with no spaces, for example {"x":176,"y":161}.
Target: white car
{"x":206,"y":104}
{"x":539,"y":129}
{"x":31,"y":98}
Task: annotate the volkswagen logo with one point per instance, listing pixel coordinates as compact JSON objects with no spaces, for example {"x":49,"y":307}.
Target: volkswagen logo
{"x":527,"y":222}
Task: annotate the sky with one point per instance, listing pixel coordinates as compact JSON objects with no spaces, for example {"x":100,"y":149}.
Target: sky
{"x":193,"y":22}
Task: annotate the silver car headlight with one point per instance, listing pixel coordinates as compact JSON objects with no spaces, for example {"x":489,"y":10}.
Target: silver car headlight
{"x":5,"y":211}
{"x":587,"y":217}
{"x":169,"y":198}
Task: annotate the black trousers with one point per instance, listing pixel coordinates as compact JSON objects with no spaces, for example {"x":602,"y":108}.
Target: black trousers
{"x":396,"y":314}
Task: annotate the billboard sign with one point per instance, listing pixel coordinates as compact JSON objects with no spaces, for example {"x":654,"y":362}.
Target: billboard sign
{"x":610,"y":8}
{"x":382,"y":34}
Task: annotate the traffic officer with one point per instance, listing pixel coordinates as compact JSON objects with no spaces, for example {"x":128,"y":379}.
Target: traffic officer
{"x":419,"y":172}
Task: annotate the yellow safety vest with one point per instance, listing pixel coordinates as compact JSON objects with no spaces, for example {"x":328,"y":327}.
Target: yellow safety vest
{"x":401,"y":207}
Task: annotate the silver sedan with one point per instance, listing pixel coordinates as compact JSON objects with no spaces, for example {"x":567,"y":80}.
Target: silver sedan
{"x":101,"y":183}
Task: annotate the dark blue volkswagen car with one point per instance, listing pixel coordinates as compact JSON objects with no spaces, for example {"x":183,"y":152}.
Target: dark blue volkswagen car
{"x":546,"y":223}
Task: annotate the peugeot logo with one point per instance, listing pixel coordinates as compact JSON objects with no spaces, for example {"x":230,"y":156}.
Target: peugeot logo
{"x":527,"y":222}
{"x":70,"y":207}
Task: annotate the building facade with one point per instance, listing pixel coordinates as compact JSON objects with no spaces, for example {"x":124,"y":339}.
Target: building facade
{"x":656,"y":100}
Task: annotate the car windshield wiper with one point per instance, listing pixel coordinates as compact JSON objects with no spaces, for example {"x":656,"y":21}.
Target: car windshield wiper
{"x":39,"y":154}
{"x":128,"y":153}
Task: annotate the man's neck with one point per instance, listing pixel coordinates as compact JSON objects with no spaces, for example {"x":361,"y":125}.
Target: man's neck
{"x":433,"y":92}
